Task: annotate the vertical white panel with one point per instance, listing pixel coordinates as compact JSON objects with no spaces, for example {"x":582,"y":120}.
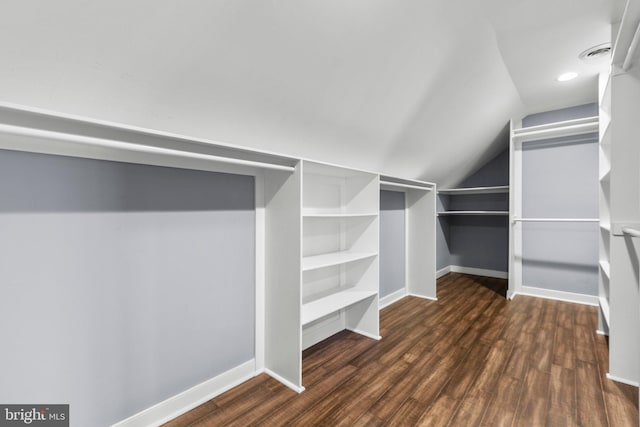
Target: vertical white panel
{"x":283,"y":274}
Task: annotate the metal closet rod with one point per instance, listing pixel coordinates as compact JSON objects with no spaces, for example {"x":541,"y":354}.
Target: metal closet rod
{"x":633,"y":232}
{"x":556,"y":220}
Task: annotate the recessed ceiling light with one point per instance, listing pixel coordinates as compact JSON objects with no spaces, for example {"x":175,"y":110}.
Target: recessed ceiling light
{"x":565,"y":77}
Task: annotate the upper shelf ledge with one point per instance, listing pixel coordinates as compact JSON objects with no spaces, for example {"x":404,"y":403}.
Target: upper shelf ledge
{"x":556,"y":130}
{"x":476,"y":190}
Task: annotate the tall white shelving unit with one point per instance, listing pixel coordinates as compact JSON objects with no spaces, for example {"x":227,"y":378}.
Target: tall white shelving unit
{"x":520,"y":135}
{"x":620,"y":199}
{"x":340,"y":269}
{"x":420,"y":201}
{"x":604,"y":175}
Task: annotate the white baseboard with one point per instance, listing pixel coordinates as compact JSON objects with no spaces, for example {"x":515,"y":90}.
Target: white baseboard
{"x":284,"y":381}
{"x":601,"y":332}
{"x":177,"y":405}
{"x":366,"y":334}
{"x":423,"y":297}
{"x":623,"y":381}
{"x":443,"y":271}
{"x":392,"y":297}
{"x":511,"y":294}
{"x":559,"y":295}
{"x":479,"y":272}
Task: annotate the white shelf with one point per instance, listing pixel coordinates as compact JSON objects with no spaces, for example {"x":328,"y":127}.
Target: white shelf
{"x":339,"y":215}
{"x":604,"y":306}
{"x":395,"y":186}
{"x":332,"y":303}
{"x":556,"y":130}
{"x":475,"y":213}
{"x":604,"y":265}
{"x":335,"y":258}
{"x":476,"y":190}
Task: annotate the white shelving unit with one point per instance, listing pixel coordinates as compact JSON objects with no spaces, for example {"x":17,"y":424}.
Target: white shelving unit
{"x":317,"y":226}
{"x":339,"y":264}
{"x":420,"y":234}
{"x":620,"y":200}
{"x":520,"y":135}
{"x":604,"y":192}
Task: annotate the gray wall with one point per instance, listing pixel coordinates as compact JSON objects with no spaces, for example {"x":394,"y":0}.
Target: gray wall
{"x":122,"y":285}
{"x":392,"y":242}
{"x":570,"y":113}
{"x":560,"y":180}
{"x":477,"y":241}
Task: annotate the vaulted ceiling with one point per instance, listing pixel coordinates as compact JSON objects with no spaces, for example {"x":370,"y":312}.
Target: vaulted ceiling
{"x":414,"y":88}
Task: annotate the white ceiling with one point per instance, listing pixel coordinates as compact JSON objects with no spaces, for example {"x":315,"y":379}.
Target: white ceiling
{"x":413,"y":88}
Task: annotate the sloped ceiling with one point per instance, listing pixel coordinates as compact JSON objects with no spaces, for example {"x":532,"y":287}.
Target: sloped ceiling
{"x":413,"y":88}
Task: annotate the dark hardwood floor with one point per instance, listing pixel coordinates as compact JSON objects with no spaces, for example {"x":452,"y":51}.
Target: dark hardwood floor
{"x":471,"y":358}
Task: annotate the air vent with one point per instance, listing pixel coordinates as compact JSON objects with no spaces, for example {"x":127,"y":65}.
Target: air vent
{"x":596,"y":53}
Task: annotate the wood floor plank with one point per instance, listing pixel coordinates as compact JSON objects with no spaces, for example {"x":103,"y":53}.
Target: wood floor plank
{"x":502,"y":409}
{"x":590,"y":403}
{"x":470,"y":358}
{"x":532,"y":408}
{"x":562,"y":397}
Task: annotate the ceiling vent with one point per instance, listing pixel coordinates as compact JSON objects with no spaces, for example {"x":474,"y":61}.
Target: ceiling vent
{"x":596,"y":53}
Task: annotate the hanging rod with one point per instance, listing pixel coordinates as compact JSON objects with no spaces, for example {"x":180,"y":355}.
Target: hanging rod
{"x":129,"y":146}
{"x":631,"y":51}
{"x":633,"y":232}
{"x":556,"y":220}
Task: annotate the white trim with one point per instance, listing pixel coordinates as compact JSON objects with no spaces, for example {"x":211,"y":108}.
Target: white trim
{"x":511,"y":294}
{"x":260,"y":272}
{"x":177,"y":405}
{"x":443,"y":271}
{"x":422,"y":296}
{"x":396,"y":186}
{"x":622,"y":380}
{"x":391,"y":298}
{"x":560,"y":295}
{"x":104,"y":143}
{"x":601,"y":332}
{"x":366,"y":334}
{"x":284,"y":381}
{"x":479,"y":272}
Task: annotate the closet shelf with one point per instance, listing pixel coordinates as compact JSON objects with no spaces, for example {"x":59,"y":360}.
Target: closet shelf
{"x":477,"y":213}
{"x":333,"y":258}
{"x":605,"y":267}
{"x":388,"y":185}
{"x":476,"y":190}
{"x":332,"y":303}
{"x":339,"y":215}
{"x":556,"y":130}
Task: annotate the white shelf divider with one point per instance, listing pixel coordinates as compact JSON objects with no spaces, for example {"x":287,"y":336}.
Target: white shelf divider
{"x":334,"y":258}
{"x":321,"y":307}
{"x":476,"y":190}
{"x":604,"y":307}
